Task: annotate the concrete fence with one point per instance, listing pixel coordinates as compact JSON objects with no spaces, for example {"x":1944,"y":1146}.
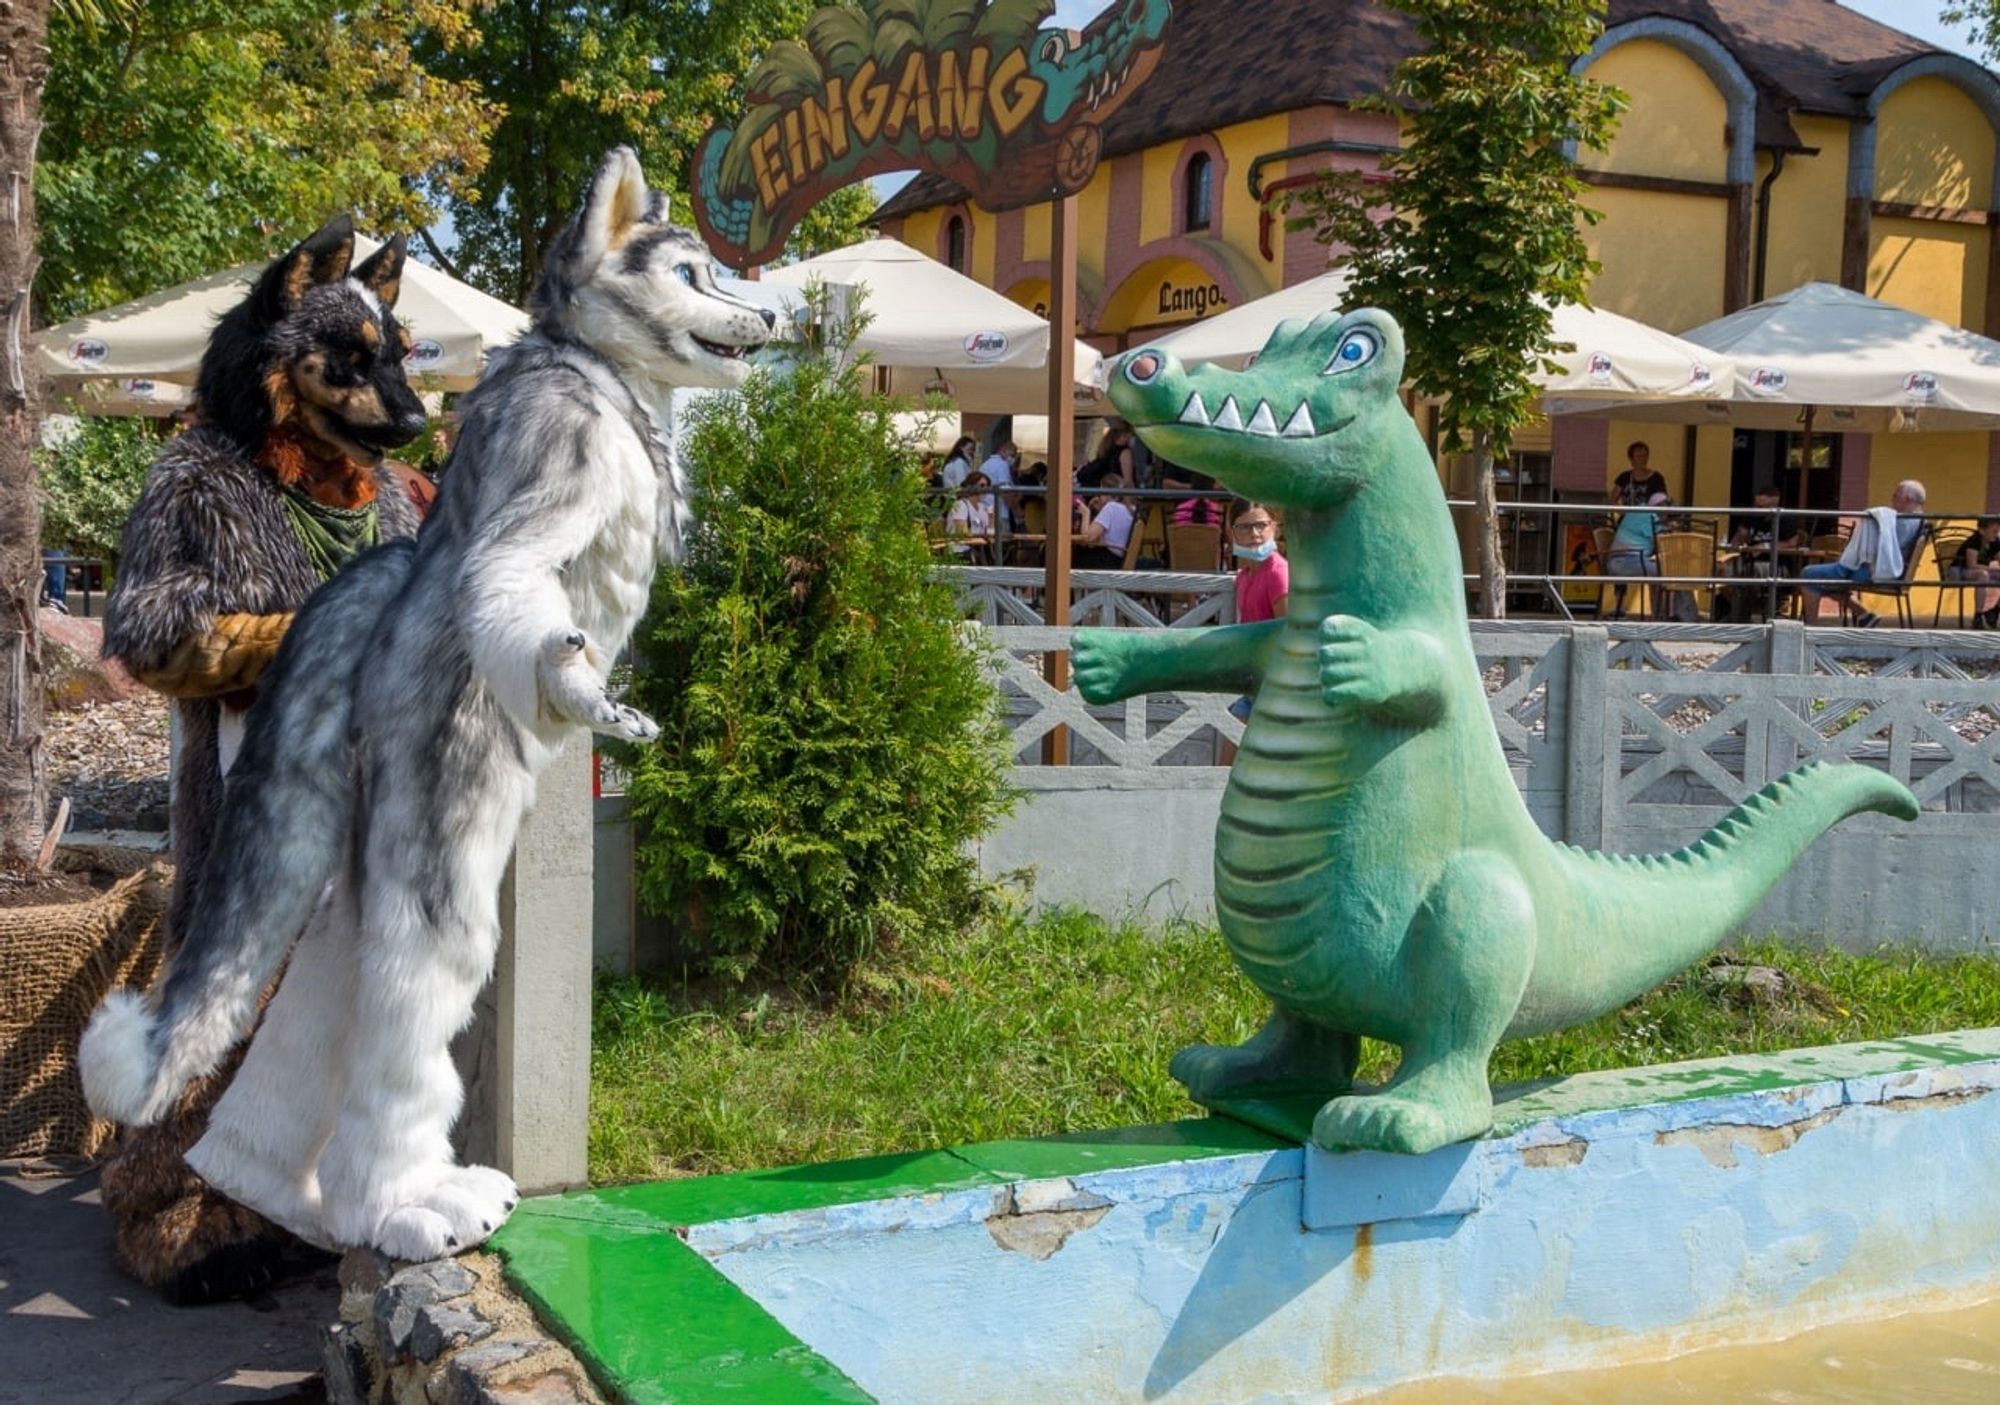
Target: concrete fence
{"x":1632,"y":739}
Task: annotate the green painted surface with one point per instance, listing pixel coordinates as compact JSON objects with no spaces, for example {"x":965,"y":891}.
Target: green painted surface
{"x":653,"y":1319}
{"x":1376,"y":870}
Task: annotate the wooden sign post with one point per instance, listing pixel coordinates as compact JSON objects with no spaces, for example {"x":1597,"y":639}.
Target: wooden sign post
{"x":977,"y":91}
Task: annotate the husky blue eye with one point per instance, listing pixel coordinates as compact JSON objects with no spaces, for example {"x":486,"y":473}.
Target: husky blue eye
{"x":685,"y":272}
{"x":1357,"y":348}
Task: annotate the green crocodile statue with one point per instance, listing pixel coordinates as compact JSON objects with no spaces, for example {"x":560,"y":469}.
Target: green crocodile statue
{"x":1376,"y":871}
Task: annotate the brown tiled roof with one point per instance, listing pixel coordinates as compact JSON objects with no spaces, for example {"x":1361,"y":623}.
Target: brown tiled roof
{"x":1234,"y":60}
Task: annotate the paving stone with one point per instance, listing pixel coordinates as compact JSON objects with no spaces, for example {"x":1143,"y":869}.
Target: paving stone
{"x":440,"y":1328}
{"x":344,"y":1362}
{"x":409,"y":1292}
{"x":466,"y":1375}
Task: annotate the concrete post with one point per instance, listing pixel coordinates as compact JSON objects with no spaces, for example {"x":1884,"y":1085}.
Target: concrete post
{"x":1592,"y":737}
{"x":526,"y":1060}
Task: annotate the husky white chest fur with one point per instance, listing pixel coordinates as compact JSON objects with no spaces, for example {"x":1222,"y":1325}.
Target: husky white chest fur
{"x":384,"y":774}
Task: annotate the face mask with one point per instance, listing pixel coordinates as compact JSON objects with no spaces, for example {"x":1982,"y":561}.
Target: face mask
{"x":1263,"y":551}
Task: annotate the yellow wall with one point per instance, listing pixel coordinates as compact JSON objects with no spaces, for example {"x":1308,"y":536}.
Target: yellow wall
{"x":1808,"y":207}
{"x":1930,"y":267}
{"x":1952,"y":468}
{"x":1156,"y":207}
{"x":1933,"y":147}
{"x":1714,"y":457}
{"x":1675,"y":124}
{"x":1662,"y":256}
{"x":920,"y":231}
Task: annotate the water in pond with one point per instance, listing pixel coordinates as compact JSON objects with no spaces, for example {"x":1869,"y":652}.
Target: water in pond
{"x":1936,"y":1358}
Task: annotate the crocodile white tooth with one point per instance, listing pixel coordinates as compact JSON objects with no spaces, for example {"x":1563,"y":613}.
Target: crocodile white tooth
{"x":1194,"y":412}
{"x":1263,"y":421}
{"x":1300,"y":425}
{"x":1229,"y":417}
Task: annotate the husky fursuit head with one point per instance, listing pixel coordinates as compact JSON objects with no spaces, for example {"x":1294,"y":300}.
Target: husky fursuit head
{"x":396,"y":749}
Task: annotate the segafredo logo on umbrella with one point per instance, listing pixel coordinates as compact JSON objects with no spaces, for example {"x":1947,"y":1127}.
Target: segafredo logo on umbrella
{"x":986,"y":346}
{"x":88,"y":351}
{"x":1700,"y":377}
{"x":1921,"y":386}
{"x":1768,"y":380}
{"x":140,"y":388}
{"x":1598,"y":368}
{"x":424,"y":354}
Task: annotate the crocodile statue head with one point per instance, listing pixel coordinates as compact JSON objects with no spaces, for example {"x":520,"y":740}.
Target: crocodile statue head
{"x":1306,"y":425}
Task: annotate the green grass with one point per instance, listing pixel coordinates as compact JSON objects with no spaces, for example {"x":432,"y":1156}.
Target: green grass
{"x":1061,"y":1022}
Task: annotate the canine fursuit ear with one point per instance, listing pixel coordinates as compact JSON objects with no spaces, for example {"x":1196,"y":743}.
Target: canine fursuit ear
{"x":617,"y":200}
{"x":321,"y":257}
{"x":381,"y":273}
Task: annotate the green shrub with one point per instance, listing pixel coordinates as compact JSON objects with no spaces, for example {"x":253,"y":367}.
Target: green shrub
{"x":830,"y":741}
{"x":89,"y":482}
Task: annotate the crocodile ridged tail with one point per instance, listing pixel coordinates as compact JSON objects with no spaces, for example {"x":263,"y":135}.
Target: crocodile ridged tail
{"x":1639,"y":919}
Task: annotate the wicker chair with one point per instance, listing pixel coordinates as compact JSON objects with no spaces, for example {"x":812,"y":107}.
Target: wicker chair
{"x":1944,"y":551}
{"x":1193,"y":546}
{"x":1685,"y":554}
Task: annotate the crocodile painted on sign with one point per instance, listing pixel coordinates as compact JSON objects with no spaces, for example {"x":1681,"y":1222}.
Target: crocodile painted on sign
{"x":987,"y":94}
{"x":1376,"y":870}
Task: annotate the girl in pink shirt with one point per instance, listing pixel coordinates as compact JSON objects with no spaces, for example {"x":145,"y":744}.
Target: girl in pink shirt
{"x":1263,"y":577}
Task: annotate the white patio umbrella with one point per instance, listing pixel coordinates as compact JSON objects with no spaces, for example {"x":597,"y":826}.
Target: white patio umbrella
{"x":1826,"y":354}
{"x":160,"y":338}
{"x":1614,"y":357}
{"x":935,"y":329}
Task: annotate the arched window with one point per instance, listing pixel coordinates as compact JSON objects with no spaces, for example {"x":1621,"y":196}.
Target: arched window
{"x":1196,"y":205}
{"x":954,"y":242}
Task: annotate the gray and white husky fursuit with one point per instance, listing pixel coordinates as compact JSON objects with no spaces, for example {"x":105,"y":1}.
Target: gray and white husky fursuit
{"x":385,"y":771}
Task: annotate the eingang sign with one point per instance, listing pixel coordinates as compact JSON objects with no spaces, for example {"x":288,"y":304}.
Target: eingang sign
{"x":974,"y":90}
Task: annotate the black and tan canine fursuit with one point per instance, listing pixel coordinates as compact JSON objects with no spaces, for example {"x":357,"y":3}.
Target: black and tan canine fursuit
{"x":300,"y":393}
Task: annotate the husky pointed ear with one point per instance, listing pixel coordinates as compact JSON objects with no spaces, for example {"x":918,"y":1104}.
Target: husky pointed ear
{"x":321,"y":257}
{"x":381,"y":273}
{"x":616,"y":202}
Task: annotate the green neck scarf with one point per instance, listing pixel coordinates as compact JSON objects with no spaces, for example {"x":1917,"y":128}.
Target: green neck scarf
{"x":332,"y":536}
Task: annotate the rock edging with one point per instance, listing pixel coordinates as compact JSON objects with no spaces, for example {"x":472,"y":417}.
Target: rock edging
{"x":447,"y":1332}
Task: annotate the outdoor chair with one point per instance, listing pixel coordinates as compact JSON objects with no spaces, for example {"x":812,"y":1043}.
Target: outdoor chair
{"x":1899,"y":589}
{"x":1944,"y":551}
{"x":1144,"y":527}
{"x":1193,"y":546}
{"x":1609,"y":596}
{"x":1685,"y":554}
{"x":1035,"y":516}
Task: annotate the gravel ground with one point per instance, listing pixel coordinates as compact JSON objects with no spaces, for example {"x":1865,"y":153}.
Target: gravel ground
{"x":110,"y":760}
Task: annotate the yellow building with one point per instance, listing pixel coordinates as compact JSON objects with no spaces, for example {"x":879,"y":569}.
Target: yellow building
{"x":1768,"y":143}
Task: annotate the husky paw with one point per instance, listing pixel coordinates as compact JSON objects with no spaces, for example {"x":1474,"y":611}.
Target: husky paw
{"x":461,"y":1208}
{"x":614,"y":719}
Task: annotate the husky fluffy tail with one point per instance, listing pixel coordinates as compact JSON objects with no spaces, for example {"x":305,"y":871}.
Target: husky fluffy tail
{"x":285,"y":817}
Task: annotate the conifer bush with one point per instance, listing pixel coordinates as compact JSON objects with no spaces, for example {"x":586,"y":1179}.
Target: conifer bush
{"x":830,"y":738}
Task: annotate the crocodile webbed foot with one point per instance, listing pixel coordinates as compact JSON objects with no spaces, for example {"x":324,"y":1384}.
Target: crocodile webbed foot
{"x":1410,"y":1116}
{"x":1288,"y":1055}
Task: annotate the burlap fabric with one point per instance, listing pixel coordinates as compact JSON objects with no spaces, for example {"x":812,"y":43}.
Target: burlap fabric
{"x":56,"y":963}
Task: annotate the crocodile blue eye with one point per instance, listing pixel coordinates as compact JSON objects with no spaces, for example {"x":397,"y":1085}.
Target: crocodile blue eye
{"x":685,"y":272}
{"x":1357,"y":348}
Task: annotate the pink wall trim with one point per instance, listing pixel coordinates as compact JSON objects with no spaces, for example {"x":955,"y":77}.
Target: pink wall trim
{"x":1855,"y":453}
{"x":942,"y":252}
{"x":1582,"y":453}
{"x":1121,"y":220}
{"x":1306,"y":257}
{"x":1010,"y":239}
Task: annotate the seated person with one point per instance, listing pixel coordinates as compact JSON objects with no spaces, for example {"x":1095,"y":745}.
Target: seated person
{"x":1206,"y":512}
{"x":1758,"y":556}
{"x":1878,"y":550}
{"x":1979,"y":560}
{"x":971,"y":516}
{"x":1632,"y":551}
{"x":1103,"y":526}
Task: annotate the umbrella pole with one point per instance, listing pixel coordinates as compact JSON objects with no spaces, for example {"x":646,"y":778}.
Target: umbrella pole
{"x":1062,"y":452}
{"x":1805,"y":454}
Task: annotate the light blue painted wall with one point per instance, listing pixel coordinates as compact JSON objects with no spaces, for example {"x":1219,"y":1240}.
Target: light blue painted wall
{"x":1574,"y":1241}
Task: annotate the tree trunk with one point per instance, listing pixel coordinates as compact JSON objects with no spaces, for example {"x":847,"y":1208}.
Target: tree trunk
{"x":1492,"y":569}
{"x":24,"y":62}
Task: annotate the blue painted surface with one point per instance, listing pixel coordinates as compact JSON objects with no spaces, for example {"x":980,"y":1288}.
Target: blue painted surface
{"x":1572,"y":1240}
